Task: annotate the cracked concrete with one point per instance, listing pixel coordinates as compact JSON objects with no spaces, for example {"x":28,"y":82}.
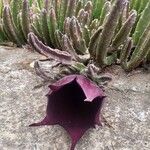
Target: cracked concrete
{"x":22,"y":102}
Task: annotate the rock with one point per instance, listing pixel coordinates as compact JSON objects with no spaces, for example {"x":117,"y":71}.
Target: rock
{"x":126,"y":121}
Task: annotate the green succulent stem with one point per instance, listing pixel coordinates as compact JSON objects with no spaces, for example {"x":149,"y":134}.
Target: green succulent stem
{"x":108,"y":32}
{"x":142,"y":23}
{"x":10,"y":27}
{"x":140,"y":52}
{"x":125,"y":30}
{"x":25,"y":18}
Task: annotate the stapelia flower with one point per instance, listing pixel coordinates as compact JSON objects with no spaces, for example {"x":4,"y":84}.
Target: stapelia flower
{"x":74,"y":102}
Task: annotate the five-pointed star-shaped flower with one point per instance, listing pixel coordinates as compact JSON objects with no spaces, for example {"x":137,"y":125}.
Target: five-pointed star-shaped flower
{"x":74,"y":102}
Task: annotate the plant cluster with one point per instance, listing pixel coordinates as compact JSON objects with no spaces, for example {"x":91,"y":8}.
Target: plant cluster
{"x":99,"y":32}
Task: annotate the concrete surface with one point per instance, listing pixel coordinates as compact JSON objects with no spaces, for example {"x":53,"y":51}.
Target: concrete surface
{"x":22,"y":102}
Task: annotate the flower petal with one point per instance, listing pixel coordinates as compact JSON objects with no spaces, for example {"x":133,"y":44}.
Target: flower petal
{"x":91,"y":90}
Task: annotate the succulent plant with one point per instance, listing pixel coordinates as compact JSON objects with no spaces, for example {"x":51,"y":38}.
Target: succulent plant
{"x":137,"y":49}
{"x":84,"y":36}
{"x":99,"y":28}
{"x":15,"y":21}
{"x":89,"y":31}
{"x":84,"y":32}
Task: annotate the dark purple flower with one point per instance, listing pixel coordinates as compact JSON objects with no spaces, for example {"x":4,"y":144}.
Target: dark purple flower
{"x":74,"y":102}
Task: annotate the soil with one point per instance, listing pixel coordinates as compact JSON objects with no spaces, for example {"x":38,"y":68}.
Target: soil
{"x":126,"y":111}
